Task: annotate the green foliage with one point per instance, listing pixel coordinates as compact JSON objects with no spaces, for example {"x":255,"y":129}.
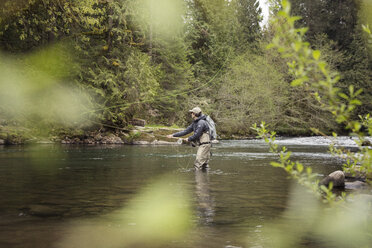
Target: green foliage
{"x":328,"y":50}
{"x":251,"y":90}
{"x":122,"y":69}
{"x":159,"y":18}
{"x":308,"y":223}
{"x":35,"y":94}
{"x":368,"y":31}
{"x":29,"y":24}
{"x":366,"y":19}
{"x":154,"y":59}
{"x":249,"y":18}
{"x":122,"y":88}
{"x":176,"y":77}
{"x":309,"y":68}
{"x":212,"y":34}
{"x":274,"y":7}
{"x":339,"y":21}
{"x":336,"y":19}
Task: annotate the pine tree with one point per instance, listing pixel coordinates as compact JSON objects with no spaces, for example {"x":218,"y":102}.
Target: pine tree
{"x":163,"y":26}
{"x":339,"y":21}
{"x":249,"y":17}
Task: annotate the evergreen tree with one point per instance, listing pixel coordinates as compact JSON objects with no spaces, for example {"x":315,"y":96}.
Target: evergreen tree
{"x":339,"y":21}
{"x":213,"y":36}
{"x":121,"y":78}
{"x":213,"y":32}
{"x":106,"y":45}
{"x":163,"y":26}
{"x":249,"y":17}
{"x":26,"y":25}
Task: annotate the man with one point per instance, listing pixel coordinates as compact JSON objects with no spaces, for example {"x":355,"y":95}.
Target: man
{"x":200,"y":137}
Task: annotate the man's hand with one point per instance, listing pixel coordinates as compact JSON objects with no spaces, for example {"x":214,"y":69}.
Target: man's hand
{"x":170,"y":136}
{"x":185,"y":140}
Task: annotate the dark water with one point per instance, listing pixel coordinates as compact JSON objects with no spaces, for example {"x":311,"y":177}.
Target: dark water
{"x":45,"y":188}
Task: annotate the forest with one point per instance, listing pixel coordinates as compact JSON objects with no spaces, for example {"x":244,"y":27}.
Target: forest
{"x":93,"y":64}
{"x":83,"y":72}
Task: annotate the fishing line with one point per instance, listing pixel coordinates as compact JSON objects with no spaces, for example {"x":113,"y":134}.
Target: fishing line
{"x":182,"y":156}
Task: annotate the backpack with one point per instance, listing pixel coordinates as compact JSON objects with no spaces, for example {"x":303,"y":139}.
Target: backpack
{"x":212,"y":128}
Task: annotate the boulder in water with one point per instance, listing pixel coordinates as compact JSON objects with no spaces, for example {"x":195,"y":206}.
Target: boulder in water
{"x":355,"y":185}
{"x":336,"y":177}
{"x":366,"y":143}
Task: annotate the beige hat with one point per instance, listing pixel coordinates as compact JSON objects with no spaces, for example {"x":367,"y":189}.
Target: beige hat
{"x":195,"y":110}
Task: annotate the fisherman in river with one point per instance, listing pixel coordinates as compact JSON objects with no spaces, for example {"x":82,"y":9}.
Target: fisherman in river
{"x":200,"y":138}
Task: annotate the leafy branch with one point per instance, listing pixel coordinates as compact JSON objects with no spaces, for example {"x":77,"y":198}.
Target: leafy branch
{"x":311,"y":71}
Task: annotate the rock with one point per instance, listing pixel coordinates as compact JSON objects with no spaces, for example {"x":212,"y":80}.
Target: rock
{"x":98,"y":137}
{"x":66,"y":141}
{"x":366,"y":143}
{"x":150,"y":131}
{"x":141,"y":143}
{"x":355,"y":185}
{"x":138,"y":122}
{"x":89,"y":141}
{"x":112,"y":139}
{"x":2,"y":142}
{"x":336,"y":177}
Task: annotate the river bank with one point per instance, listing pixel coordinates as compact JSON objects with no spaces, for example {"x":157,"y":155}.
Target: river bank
{"x":134,"y":135}
{"x":130,"y":136}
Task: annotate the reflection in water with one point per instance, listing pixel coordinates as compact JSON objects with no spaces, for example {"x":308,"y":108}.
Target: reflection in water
{"x":205,"y":201}
{"x":156,"y":216}
{"x":71,"y":192}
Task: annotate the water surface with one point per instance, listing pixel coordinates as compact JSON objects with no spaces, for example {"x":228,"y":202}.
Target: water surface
{"x":230,"y":203}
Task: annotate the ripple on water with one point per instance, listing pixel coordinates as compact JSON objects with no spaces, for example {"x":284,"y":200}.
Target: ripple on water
{"x":185,"y":170}
{"x":176,"y":155}
{"x":244,"y":155}
{"x":303,"y":141}
{"x":321,"y":141}
{"x":209,"y":171}
{"x":265,"y":155}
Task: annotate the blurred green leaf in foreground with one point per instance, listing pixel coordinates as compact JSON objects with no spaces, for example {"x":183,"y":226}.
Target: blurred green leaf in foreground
{"x":159,"y":214}
{"x":309,"y":223}
{"x":35,"y":89}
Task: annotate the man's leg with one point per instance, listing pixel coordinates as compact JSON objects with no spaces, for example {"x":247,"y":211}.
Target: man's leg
{"x":202,"y":156}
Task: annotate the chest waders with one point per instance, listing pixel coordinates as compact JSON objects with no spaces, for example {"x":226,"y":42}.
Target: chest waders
{"x":203,"y":154}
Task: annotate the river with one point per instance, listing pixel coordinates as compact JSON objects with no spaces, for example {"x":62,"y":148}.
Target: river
{"x":47,"y":189}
